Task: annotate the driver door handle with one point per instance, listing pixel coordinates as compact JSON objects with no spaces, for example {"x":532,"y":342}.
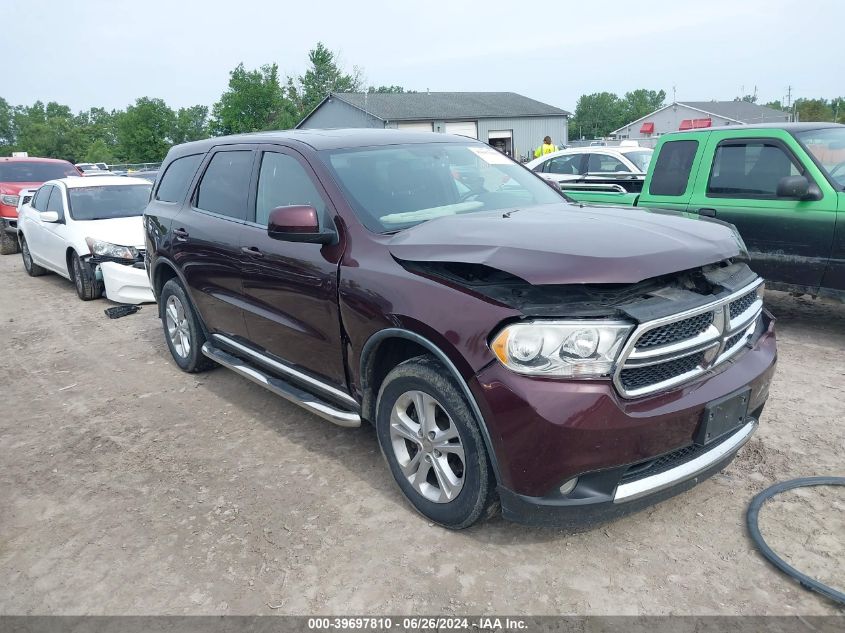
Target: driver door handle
{"x":252,"y":251}
{"x":181,"y":234}
{"x":707,"y":212}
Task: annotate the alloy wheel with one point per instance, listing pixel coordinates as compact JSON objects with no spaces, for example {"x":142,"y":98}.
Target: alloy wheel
{"x":27,"y":258}
{"x":427,"y":446}
{"x":178,"y":328}
{"x":77,"y":275}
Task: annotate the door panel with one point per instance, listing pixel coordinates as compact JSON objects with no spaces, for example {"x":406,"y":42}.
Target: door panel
{"x":206,"y":242}
{"x":54,"y":234}
{"x":290,"y":289}
{"x":789,"y":240}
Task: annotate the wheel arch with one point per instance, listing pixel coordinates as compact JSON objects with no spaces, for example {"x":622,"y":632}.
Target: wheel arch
{"x":401,"y":344}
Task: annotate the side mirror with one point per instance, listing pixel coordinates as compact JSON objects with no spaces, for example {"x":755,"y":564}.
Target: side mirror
{"x":48,"y":216}
{"x":298,"y":223}
{"x":797,"y":187}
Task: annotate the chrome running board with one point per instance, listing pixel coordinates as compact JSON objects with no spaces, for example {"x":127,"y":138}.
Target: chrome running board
{"x":286,"y":390}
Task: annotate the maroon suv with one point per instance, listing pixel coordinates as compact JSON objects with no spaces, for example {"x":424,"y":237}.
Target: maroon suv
{"x":573,"y":363}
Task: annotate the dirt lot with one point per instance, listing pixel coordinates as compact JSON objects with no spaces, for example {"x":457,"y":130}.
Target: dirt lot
{"x":128,"y":487}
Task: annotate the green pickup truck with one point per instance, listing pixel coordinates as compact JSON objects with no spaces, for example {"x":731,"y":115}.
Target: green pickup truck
{"x":782,"y":186}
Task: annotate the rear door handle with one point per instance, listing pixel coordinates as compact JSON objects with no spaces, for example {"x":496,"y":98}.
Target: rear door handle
{"x":181,"y":234}
{"x":708,"y":213}
{"x":252,"y":251}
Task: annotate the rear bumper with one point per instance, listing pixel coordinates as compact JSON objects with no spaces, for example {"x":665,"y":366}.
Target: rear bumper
{"x":126,"y":284}
{"x":546,"y":432}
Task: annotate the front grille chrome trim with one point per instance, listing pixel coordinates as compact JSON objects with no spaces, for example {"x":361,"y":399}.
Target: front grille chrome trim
{"x":714,"y":338}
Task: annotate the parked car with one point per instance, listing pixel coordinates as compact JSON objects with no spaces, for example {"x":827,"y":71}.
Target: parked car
{"x":589,"y":167}
{"x":92,"y":167}
{"x":90,"y":231}
{"x":572,"y":363}
{"x":781,"y":185}
{"x":18,"y":173}
{"x":146,"y":175}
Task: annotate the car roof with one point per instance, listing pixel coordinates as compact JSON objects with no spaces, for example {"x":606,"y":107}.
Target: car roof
{"x":72,"y":182}
{"x":342,"y":138}
{"x":31,"y":159}
{"x":788,"y":127}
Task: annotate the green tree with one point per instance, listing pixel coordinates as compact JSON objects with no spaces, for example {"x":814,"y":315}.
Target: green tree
{"x":7,"y":127}
{"x":191,"y":124}
{"x":639,"y":103}
{"x":49,"y":130}
{"x":144,"y":131}
{"x":99,"y":152}
{"x":747,"y":98}
{"x":254,"y":101}
{"x":813,"y":110}
{"x":396,"y":90}
{"x":597,"y":114}
{"x":322,"y":77}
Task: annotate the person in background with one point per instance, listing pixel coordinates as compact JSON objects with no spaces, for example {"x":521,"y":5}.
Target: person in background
{"x":545,"y":148}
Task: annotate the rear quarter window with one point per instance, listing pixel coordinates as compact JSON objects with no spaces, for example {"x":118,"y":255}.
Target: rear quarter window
{"x":672,"y":169}
{"x":177,"y":178}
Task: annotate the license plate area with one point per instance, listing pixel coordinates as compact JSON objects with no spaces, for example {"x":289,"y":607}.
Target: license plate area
{"x":723,"y":416}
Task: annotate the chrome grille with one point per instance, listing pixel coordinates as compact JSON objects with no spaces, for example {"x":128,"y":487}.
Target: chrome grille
{"x":678,"y":331}
{"x":667,"y":352}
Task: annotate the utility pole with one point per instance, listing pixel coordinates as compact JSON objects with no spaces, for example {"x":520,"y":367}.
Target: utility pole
{"x":788,"y":97}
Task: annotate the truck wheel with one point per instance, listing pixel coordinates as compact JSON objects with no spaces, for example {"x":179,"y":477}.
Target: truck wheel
{"x":432,"y":444}
{"x":33,"y":269}
{"x":182,"y":330}
{"x":87,"y":286}
{"x":8,"y":242}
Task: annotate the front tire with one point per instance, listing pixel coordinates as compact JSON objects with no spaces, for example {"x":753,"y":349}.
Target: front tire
{"x":182,"y":330}
{"x":432,"y":444}
{"x":32,"y":269}
{"x":87,"y":286}
{"x":8,"y":242}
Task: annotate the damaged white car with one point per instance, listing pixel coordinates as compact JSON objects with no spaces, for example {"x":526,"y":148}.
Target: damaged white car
{"x":90,"y":231}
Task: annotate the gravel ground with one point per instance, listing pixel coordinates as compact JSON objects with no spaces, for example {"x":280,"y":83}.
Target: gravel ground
{"x":129,"y":487}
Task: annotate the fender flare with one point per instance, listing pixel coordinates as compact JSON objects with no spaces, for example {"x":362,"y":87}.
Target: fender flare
{"x":156,"y":266}
{"x":376,"y":339}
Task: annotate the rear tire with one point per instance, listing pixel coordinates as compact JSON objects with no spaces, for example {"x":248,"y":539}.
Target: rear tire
{"x":433,"y":446}
{"x":8,"y":242}
{"x":87,"y":286}
{"x":182,"y":330}
{"x":32,"y":269}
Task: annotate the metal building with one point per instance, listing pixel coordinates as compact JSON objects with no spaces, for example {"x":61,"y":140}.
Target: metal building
{"x":689,"y":115}
{"x":508,"y":121}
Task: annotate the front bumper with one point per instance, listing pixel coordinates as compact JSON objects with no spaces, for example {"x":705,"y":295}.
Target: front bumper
{"x":125,"y":283}
{"x":546,"y":432}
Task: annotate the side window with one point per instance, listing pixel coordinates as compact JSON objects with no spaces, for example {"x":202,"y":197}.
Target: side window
{"x":749,"y":169}
{"x":282,"y":182}
{"x":672,"y":170}
{"x":564,"y":164}
{"x":604,"y":163}
{"x":55,"y":202}
{"x":225,"y":184}
{"x":39,"y":202}
{"x":176,"y":180}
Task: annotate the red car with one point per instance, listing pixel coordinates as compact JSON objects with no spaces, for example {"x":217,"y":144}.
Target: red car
{"x":18,"y":173}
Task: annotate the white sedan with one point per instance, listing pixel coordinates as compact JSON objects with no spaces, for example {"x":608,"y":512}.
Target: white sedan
{"x":89,"y":230}
{"x":577,"y":163}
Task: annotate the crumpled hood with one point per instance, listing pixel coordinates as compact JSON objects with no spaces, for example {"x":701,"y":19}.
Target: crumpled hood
{"x":121,"y":231}
{"x":566,"y":244}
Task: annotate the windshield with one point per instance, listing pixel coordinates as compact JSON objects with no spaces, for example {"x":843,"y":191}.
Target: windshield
{"x":103,"y":203}
{"x":640,"y":158}
{"x":827,"y":146}
{"x":399,"y":186}
{"x":33,"y":171}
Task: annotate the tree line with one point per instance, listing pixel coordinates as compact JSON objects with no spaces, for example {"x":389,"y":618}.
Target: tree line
{"x":261,"y":99}
{"x":598,"y":114}
{"x":254,"y":100}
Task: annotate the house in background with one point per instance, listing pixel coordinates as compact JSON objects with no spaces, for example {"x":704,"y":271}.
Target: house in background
{"x":508,"y":121}
{"x":690,"y":115}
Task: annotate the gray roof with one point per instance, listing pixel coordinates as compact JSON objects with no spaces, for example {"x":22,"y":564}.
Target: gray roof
{"x":739,"y":110}
{"x":423,"y":106}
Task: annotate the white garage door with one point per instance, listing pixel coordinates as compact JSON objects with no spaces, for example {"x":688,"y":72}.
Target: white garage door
{"x":464,"y":128}
{"x":424,"y":126}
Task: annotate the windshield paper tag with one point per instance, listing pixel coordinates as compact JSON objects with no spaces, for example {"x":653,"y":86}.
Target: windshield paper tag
{"x":490,"y":155}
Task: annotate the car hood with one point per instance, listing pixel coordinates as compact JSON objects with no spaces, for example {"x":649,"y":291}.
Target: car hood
{"x":120,"y":231}
{"x":13,"y":188}
{"x":568,"y":244}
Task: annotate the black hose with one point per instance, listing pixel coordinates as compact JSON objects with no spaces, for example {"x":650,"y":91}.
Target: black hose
{"x":754,"y":529}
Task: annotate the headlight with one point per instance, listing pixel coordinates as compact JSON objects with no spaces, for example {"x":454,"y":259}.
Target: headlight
{"x":577,"y":349}
{"x":106,"y":249}
{"x":12,"y":201}
{"x":743,"y":249}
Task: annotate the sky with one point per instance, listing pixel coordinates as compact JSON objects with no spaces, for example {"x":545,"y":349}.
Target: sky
{"x":108,"y":53}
